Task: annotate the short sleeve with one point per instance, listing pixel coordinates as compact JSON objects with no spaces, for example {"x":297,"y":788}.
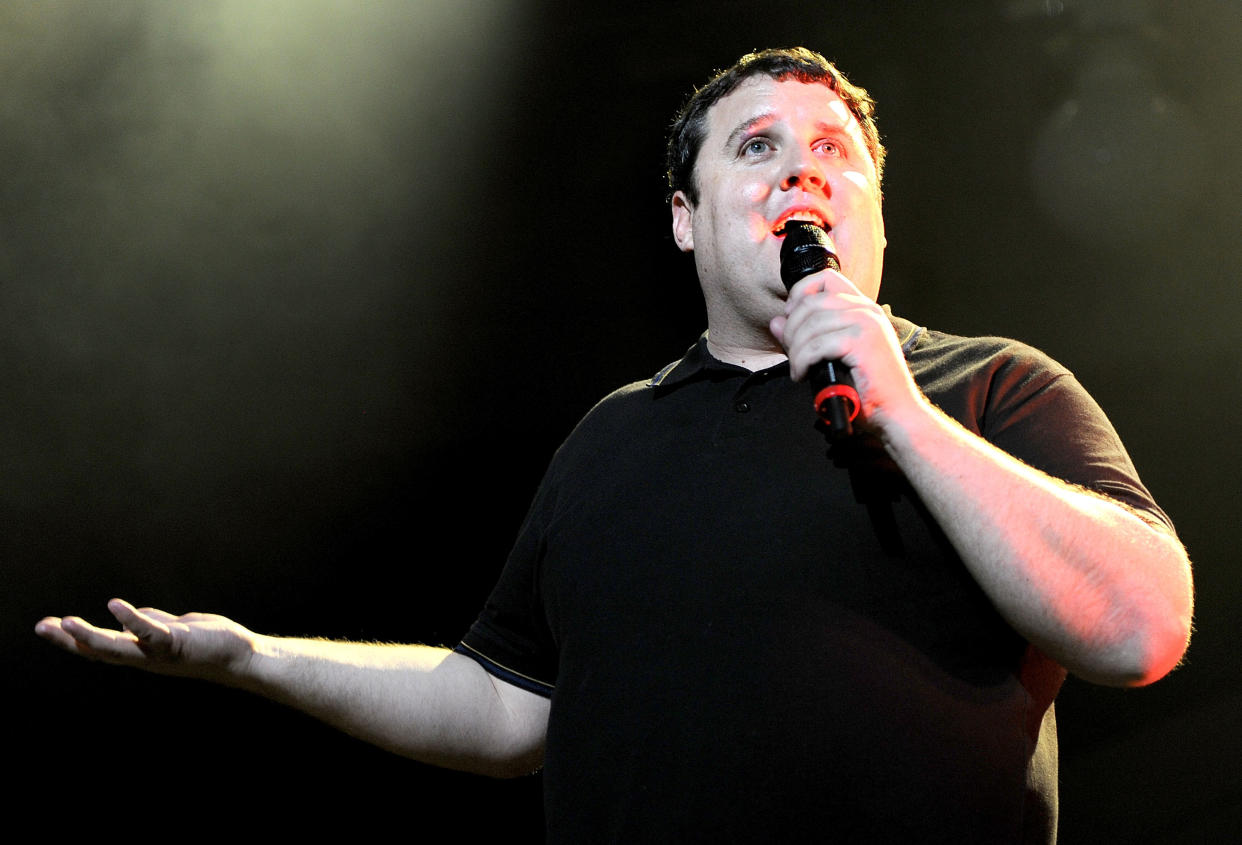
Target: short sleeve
{"x":511,"y":638}
{"x":1032,"y":407}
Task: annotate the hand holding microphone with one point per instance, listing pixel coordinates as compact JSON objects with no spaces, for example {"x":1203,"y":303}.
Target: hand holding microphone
{"x":806,"y":250}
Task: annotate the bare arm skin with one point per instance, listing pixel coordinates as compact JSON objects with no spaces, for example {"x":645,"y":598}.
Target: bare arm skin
{"x":1096,"y":588}
{"x":426,"y":703}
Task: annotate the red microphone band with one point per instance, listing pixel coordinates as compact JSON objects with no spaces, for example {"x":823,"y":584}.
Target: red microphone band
{"x":845,"y":391}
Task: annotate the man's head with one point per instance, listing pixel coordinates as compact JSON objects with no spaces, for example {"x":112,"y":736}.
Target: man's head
{"x":759,"y":149}
{"x":690,"y":126}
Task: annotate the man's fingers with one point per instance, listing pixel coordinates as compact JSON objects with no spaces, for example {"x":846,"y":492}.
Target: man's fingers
{"x":823,"y":282}
{"x":162,"y":616}
{"x":49,"y":628}
{"x":159,"y":620}
{"x":152,"y":639}
{"x":153,"y":636}
{"x":77,"y":635}
{"x":825,"y":325}
{"x":142,"y":638}
{"x":121,"y":609}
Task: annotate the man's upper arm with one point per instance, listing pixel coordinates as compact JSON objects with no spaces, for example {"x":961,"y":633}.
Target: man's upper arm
{"x":525,"y":720}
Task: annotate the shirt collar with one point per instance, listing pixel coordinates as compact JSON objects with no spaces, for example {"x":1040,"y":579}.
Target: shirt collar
{"x":699,"y":361}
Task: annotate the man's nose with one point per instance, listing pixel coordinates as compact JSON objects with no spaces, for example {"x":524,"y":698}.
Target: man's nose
{"x":803,"y":171}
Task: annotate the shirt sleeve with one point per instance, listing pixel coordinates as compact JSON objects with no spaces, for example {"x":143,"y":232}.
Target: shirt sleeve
{"x":1036,"y":410}
{"x":511,"y":638}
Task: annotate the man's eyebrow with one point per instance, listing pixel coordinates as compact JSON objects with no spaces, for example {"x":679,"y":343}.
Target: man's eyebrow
{"x":823,"y":126}
{"x":743,"y":128}
{"x":848,"y":132}
{"x":834,"y":128}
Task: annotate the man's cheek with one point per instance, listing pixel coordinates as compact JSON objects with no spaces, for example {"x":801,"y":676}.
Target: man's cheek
{"x":858,"y":178}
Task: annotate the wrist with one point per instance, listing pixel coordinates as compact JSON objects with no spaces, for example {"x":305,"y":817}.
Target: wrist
{"x":911,"y":426}
{"x":249,"y":664}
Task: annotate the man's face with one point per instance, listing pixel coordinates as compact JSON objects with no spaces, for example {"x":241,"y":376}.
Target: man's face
{"x":775,"y":151}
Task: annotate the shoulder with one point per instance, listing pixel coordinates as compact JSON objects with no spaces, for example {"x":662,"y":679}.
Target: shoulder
{"x":619,"y":405}
{"x":631,"y":418}
{"x":996,"y":386}
{"x":619,"y":417}
{"x":942,"y":360}
{"x":1030,"y":405}
{"x":971,"y":378}
{"x":630,"y":407}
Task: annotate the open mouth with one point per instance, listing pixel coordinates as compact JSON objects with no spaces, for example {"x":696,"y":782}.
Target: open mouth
{"x":802,"y":216}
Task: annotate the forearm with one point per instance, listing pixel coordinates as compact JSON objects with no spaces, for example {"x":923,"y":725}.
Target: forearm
{"x":1085,"y":580}
{"x":426,"y":703}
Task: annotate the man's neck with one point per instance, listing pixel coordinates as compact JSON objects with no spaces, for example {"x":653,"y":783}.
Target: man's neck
{"x":744,"y":356}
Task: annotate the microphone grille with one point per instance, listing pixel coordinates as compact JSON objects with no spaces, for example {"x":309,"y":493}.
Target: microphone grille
{"x":805,"y":250}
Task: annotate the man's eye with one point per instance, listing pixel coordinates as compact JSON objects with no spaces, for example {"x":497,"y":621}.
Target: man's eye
{"x":757,"y":147}
{"x":831,"y":148}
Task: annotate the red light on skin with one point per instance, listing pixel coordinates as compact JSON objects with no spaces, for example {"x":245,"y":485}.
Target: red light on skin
{"x":759,"y":227}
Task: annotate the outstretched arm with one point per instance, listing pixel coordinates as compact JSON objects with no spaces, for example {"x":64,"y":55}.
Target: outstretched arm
{"x":1092,"y":585}
{"x":426,"y":703}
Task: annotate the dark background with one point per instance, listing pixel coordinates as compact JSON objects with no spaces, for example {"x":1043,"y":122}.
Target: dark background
{"x":297,"y":298}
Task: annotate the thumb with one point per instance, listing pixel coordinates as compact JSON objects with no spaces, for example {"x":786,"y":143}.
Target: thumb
{"x":777,"y":326}
{"x":153,"y":635}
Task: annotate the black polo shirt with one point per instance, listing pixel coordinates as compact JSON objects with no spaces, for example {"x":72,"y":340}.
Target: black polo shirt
{"x":750,"y":633}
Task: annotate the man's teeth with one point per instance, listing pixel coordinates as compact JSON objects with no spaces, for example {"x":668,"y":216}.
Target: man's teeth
{"x":801,"y":217}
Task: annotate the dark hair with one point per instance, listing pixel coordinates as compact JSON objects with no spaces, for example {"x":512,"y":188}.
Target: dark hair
{"x":690,"y":126}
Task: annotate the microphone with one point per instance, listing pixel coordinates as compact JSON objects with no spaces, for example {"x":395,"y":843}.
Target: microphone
{"x":806,"y":250}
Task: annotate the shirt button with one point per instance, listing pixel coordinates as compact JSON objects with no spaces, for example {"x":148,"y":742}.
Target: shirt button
{"x":741,"y":407}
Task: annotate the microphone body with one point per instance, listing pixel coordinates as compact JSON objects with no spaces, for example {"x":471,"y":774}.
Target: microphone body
{"x":806,"y":250}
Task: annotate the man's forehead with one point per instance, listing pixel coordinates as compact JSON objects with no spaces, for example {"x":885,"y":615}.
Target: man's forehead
{"x":761,"y":100}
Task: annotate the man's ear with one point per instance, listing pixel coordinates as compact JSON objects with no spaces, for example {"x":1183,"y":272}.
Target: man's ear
{"x":683,"y":222}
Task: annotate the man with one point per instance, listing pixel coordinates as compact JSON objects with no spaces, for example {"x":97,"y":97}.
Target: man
{"x":722,"y":625}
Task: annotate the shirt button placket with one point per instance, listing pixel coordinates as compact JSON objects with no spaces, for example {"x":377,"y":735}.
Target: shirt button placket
{"x":746,"y":413}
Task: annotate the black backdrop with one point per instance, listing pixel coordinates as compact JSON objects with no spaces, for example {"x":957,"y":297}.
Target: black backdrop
{"x":298,"y":298}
